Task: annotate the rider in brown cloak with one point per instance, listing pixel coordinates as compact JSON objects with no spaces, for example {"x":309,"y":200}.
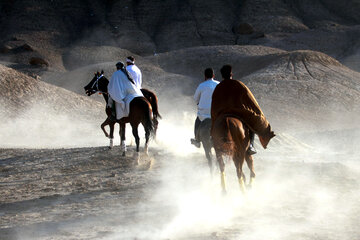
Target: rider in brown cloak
{"x":232,"y":97}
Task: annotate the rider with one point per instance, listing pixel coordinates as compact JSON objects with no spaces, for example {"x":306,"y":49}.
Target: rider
{"x":202,"y":98}
{"x":122,"y":90}
{"x":134,"y":71}
{"x":238,"y":100}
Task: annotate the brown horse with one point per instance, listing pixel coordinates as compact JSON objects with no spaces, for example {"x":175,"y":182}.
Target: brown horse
{"x":141,"y":110}
{"x":234,"y":110}
{"x":231,"y":137}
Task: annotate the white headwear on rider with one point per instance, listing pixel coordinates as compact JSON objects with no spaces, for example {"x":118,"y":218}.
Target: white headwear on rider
{"x":129,"y":61}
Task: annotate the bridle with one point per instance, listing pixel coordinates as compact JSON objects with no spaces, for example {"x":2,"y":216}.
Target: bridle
{"x":96,"y":84}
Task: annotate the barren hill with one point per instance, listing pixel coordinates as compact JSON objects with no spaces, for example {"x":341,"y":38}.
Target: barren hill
{"x":19,"y":93}
{"x":290,"y":53}
{"x":50,"y":29}
{"x":293,"y":87}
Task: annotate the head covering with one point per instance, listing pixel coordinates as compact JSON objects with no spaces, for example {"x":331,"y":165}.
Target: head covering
{"x":130,"y":59}
{"x":120,"y":65}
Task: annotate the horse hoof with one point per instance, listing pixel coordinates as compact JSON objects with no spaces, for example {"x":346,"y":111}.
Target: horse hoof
{"x":137,"y":157}
{"x":123,"y":154}
{"x":223,"y":192}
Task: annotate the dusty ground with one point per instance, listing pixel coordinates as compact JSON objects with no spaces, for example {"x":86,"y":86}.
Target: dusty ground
{"x":93,"y":193}
{"x":43,"y":189}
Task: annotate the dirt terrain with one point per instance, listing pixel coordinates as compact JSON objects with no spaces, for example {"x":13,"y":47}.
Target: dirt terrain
{"x":93,"y":193}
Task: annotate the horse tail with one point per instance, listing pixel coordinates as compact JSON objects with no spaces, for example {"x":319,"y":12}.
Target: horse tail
{"x":153,"y":100}
{"x":148,"y":119}
{"x":228,"y":141}
{"x":225,"y":132}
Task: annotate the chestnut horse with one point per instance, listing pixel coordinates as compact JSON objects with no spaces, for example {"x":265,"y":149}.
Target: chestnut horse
{"x":231,"y":137}
{"x":141,"y":110}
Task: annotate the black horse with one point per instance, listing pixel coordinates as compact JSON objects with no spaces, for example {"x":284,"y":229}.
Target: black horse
{"x":142,"y":110}
{"x":205,"y":139}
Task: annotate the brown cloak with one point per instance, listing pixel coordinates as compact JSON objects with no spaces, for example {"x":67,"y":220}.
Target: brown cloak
{"x":234,"y":98}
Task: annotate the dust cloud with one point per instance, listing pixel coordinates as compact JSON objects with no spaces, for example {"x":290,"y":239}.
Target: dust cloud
{"x":41,"y":126}
{"x":300,"y":192}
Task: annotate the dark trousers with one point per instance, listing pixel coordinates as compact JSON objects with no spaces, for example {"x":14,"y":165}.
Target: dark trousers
{"x":197,"y":129}
{"x":251,"y":136}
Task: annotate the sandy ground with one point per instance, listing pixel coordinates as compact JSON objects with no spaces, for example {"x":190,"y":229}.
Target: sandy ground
{"x":93,"y":193}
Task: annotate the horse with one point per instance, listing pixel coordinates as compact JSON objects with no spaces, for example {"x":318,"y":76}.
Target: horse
{"x":141,"y":109}
{"x":205,"y":139}
{"x":231,"y":137}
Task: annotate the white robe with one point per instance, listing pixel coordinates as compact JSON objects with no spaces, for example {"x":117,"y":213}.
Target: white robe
{"x":203,"y":96}
{"x":122,"y":91}
{"x":136,"y":75}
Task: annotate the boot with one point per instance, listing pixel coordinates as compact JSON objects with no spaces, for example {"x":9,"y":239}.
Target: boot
{"x":251,"y":150}
{"x":195,"y":142}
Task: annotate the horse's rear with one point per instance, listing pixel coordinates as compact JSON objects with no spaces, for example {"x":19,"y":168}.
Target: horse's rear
{"x":153,"y":100}
{"x":141,"y":112}
{"x":231,"y":137}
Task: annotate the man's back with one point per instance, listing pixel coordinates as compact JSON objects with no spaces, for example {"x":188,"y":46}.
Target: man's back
{"x":136,"y":75}
{"x":234,"y":98}
{"x":120,"y":87}
{"x":203,"y":96}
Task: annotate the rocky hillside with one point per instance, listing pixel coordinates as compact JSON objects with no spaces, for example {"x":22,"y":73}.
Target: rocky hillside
{"x":42,"y":33}
{"x":295,"y":88}
{"x":296,"y":56}
{"x":20,"y":93}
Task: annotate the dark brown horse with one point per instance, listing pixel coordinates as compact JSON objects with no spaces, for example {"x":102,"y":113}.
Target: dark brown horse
{"x":231,"y":137}
{"x":141,"y":110}
{"x":205,"y":139}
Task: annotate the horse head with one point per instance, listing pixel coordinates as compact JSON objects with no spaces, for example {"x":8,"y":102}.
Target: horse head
{"x":97,"y":84}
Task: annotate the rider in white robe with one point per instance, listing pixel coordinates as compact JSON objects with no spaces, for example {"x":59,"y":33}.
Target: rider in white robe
{"x":134,"y":71}
{"x":122,"y":90}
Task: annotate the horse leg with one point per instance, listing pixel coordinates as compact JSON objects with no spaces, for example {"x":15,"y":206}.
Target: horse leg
{"x":207,"y":150}
{"x":156,"y":124}
{"x":103,"y":125}
{"x":147,"y":136}
{"x":250,"y":164}
{"x":111,"y":136}
{"x":136,"y":135}
{"x":137,"y":140}
{"x":239,"y":161}
{"x":220,"y":160}
{"x":122,"y":138}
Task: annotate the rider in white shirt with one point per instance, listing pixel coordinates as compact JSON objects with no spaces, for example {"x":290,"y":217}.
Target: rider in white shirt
{"x":202,"y":97}
{"x":122,"y":90}
{"x":134,"y":71}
